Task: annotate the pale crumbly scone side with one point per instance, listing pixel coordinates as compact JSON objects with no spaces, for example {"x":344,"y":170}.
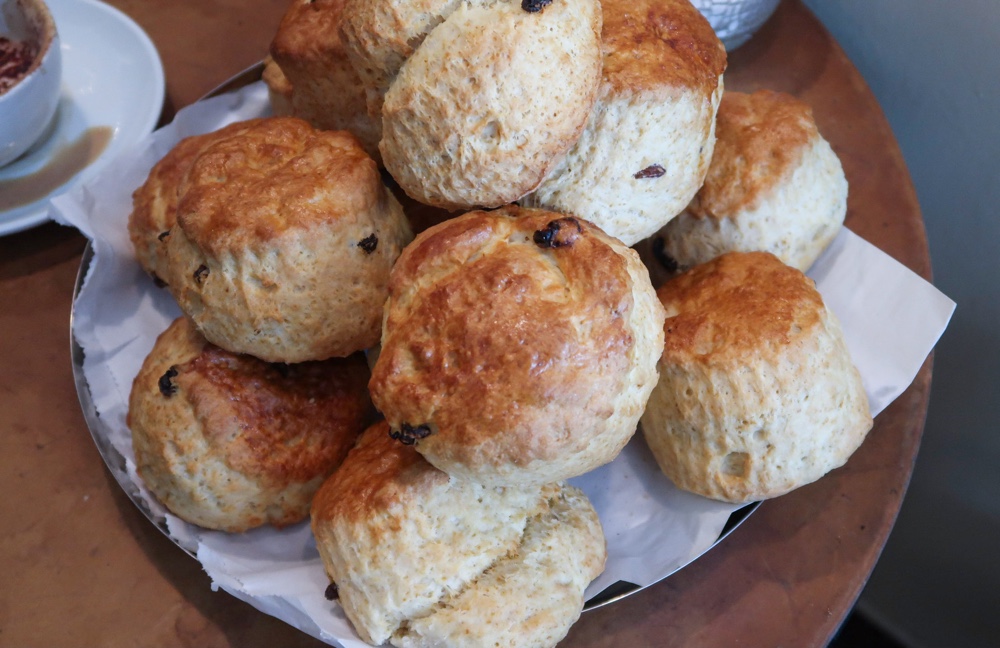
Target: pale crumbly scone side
{"x":647,"y":145}
{"x":757,"y":393}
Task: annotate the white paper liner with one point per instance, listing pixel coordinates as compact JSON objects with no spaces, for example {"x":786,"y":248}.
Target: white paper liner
{"x":891,"y":317}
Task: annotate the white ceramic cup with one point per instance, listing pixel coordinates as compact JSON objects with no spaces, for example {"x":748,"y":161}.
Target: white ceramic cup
{"x":27,"y":107}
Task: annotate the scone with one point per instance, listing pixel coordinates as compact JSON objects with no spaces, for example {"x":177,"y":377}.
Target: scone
{"x":757,"y":393}
{"x":774,"y":185}
{"x":229,"y":442}
{"x":309,"y":75}
{"x":284,"y":240}
{"x":519,"y":346}
{"x":154,"y":204}
{"x":419,"y":558}
{"x":646,"y":148}
{"x":478,"y":100}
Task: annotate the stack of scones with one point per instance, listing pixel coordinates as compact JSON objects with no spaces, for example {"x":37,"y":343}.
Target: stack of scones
{"x":424,"y":399}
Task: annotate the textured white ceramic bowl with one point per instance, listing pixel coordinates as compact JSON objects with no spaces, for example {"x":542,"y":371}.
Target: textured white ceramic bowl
{"x":735,"y":21}
{"x":27,"y":107}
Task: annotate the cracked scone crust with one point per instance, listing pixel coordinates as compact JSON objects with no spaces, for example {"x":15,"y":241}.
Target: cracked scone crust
{"x":519,"y":346}
{"x":757,"y":394}
{"x":423,"y":559}
{"x":154,"y":204}
{"x":229,"y":442}
{"x":649,"y":139}
{"x":774,"y":185}
{"x":478,"y":100}
{"x":284,"y":240}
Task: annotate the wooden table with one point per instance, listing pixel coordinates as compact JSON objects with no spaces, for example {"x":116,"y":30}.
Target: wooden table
{"x":80,"y":566}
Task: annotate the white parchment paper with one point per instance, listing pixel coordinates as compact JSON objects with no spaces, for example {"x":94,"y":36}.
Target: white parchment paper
{"x":892,"y":318}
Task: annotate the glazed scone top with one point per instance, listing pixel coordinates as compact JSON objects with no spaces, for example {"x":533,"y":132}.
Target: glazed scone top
{"x":258,"y":415}
{"x":660,"y":45}
{"x":275,"y":177}
{"x":535,"y":355}
{"x":154,"y":203}
{"x":511,"y":338}
{"x":760,"y":140}
{"x":381,"y":476}
{"x":709,"y":308}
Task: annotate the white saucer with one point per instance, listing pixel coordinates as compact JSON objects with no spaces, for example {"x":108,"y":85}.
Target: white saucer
{"x":112,"y":95}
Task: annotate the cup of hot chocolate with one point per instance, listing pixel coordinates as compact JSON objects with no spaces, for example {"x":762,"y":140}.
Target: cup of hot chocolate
{"x":30,"y":74}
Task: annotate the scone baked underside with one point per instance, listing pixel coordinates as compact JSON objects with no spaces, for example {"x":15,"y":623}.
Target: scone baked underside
{"x":522,"y":362}
{"x":530,"y":598}
{"x":637,"y":164}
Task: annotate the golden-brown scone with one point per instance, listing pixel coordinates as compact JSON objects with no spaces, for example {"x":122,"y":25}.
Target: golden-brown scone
{"x":419,"y":558}
{"x":478,"y":100}
{"x":774,"y":185}
{"x":228,"y":442}
{"x":757,"y":393}
{"x":647,"y":146}
{"x":519,"y":346}
{"x":284,"y":240}
{"x":279,"y":88}
{"x":154,"y":204}
{"x":310,"y":76}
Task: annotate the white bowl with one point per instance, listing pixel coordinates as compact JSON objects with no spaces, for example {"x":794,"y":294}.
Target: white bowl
{"x":735,"y":21}
{"x":27,"y":107}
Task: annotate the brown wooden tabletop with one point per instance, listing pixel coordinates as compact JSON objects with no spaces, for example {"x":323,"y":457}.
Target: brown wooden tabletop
{"x":81,"y":566}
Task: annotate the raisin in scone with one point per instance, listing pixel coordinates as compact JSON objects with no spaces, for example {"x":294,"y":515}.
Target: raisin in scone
{"x":284,"y":239}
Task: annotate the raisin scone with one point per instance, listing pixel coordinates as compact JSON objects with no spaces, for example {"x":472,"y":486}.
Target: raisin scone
{"x":309,"y":75}
{"x":284,"y":239}
{"x":229,"y":442}
{"x":418,"y":558}
{"x":519,"y":346}
{"x":154,"y":203}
